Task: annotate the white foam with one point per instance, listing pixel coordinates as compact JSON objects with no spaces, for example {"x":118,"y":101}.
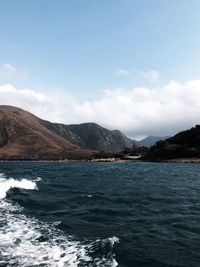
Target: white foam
{"x":7,"y":184}
{"x":2,"y":175}
{"x":113,"y":240}
{"x":38,"y":179}
{"x":29,"y":242}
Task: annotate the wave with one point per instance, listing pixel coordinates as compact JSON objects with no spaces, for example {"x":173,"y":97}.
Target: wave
{"x":7,"y":184}
{"x":30,"y":242}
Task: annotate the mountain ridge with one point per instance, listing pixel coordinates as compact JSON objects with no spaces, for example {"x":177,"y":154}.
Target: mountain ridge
{"x":185,"y":144}
{"x":25,"y":136}
{"x":92,"y":136}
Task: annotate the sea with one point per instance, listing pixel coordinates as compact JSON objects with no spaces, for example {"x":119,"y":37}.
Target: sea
{"x":99,"y":214}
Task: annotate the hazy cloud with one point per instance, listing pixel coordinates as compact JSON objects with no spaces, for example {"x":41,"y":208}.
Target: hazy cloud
{"x":151,"y":76}
{"x":8,"y":71}
{"x":123,"y":72}
{"x":138,"y":111}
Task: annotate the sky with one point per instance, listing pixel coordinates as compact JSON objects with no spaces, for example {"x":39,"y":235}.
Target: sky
{"x":129,"y":65}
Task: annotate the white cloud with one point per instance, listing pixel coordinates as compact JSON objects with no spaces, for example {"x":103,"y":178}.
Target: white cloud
{"x":151,"y":76}
{"x":139,"y":111}
{"x":8,"y":71}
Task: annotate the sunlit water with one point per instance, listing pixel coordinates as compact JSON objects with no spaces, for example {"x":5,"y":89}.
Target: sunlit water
{"x":99,"y":214}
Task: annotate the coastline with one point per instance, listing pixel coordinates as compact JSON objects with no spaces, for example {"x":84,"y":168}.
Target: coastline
{"x":184,"y":160}
{"x":111,"y":160}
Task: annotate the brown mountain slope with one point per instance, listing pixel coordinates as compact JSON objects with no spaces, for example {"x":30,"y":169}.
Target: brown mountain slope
{"x":22,"y":136}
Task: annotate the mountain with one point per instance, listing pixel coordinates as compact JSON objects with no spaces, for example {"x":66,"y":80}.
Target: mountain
{"x":22,"y":136}
{"x":185,"y":144}
{"x":91,"y":136}
{"x":25,"y":136}
{"x":150,"y":140}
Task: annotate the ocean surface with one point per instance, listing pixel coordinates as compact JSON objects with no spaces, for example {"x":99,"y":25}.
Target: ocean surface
{"x":99,"y":214}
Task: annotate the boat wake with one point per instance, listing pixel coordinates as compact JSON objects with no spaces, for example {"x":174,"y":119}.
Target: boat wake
{"x":29,"y":242}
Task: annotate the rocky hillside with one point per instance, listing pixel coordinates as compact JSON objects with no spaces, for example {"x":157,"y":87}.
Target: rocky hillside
{"x":22,"y":136}
{"x":185,"y":144}
{"x":25,"y":136}
{"x":91,"y":136}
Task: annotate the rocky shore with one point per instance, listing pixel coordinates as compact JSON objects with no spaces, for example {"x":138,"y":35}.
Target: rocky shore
{"x":184,"y":160}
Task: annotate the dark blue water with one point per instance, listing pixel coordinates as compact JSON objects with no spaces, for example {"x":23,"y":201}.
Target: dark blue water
{"x":100,"y":214}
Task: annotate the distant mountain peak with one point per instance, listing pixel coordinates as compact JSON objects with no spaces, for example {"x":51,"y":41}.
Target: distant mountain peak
{"x":150,"y":140}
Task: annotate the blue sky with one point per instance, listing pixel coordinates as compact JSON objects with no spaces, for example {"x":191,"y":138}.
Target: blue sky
{"x":84,"y":47}
{"x":78,"y":45}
